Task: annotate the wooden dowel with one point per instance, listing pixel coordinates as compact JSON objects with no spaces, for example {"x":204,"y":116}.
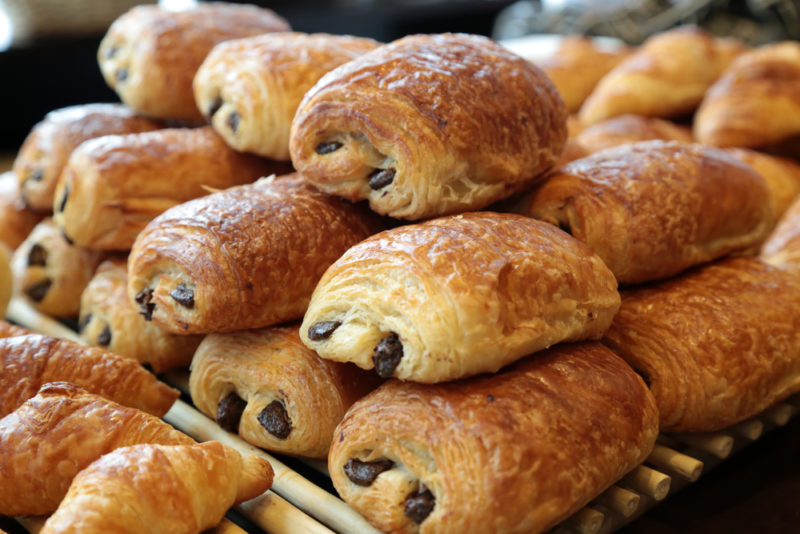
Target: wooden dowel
{"x":779,"y":415}
{"x":26,"y":316}
{"x":647,"y":482}
{"x":270,"y":509}
{"x":749,"y":429}
{"x":585,"y":521}
{"x":716,"y":443}
{"x":671,"y":460}
{"x":623,"y":502}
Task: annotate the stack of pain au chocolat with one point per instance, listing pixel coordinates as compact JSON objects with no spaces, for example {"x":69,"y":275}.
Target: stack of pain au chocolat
{"x":480,"y":286}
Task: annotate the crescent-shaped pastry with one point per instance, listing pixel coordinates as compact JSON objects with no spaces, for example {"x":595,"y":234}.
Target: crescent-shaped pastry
{"x":274,"y":392}
{"x":150,"y":55}
{"x":666,"y":76}
{"x":514,"y":452}
{"x":52,"y":272}
{"x":249,"y":89}
{"x":16,"y":221}
{"x":457,"y":296}
{"x":756,"y":102}
{"x":429,"y":125}
{"x":782,"y":176}
{"x":114,"y":185}
{"x":655,"y":208}
{"x":54,"y":435}
{"x":716,"y":345}
{"x":627,"y":129}
{"x":108,"y":319}
{"x":782,"y":247}
{"x":159,"y":489}
{"x":32,"y":360}
{"x":46,"y":149}
{"x":247,"y":257}
{"x":6,"y":279}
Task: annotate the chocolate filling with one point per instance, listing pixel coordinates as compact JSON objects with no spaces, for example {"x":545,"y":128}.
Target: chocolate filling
{"x":387,"y":355}
{"x":419,"y":505}
{"x":104,"y":337}
{"x":84,"y":322}
{"x":216,"y":103}
{"x":121,"y":75}
{"x":64,"y":197}
{"x":229,"y":412}
{"x":36,"y":175}
{"x":233,"y":120}
{"x":322,"y":329}
{"x":37,"y":255}
{"x":365,"y":473}
{"x":275,"y":420}
{"x":380,"y":178}
{"x":183,"y":295}
{"x":38,"y":290}
{"x":327,"y":148}
{"x":144,"y":299}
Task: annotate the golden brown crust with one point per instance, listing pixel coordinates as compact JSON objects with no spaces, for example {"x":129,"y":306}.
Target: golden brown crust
{"x":243,"y":258}
{"x":782,"y":176}
{"x":756,"y":101}
{"x":32,"y":360}
{"x":125,"y":491}
{"x":254,"y":85}
{"x":149,"y":55}
{"x":6,"y":279}
{"x":654,"y":208}
{"x":460,"y":121}
{"x":108,"y":319}
{"x":665,"y":77}
{"x":269,"y":366}
{"x":513,"y":452}
{"x":627,"y":129}
{"x":718,"y":345}
{"x":113,"y":186}
{"x":16,"y":221}
{"x":782,"y":247}
{"x":461,"y":295}
{"x":10,"y":330}
{"x":54,"y":435}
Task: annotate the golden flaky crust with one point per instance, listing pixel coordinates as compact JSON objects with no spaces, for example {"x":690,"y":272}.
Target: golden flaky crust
{"x":299,"y":396}
{"x":249,"y":89}
{"x":428,"y":125}
{"x":459,"y":295}
{"x":756,"y":101}
{"x":782,"y":247}
{"x":6,"y":279}
{"x":150,"y":55}
{"x":51,"y":273}
{"x":667,"y":76}
{"x":32,"y":360}
{"x":243,"y":258}
{"x":16,"y":221}
{"x":10,"y":330}
{"x":717,"y":345}
{"x":113,"y":186}
{"x":47,"y":148}
{"x":54,"y":435}
{"x":159,"y":489}
{"x":782,"y":176}
{"x":513,"y":452}
{"x":654,"y":208}
{"x":627,"y":129}
{"x":110,"y":320}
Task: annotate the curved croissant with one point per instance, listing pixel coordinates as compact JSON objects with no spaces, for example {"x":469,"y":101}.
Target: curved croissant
{"x":160,"y":489}
{"x":54,"y":435}
{"x":16,"y":221}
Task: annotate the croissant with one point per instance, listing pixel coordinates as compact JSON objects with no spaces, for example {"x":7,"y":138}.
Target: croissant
{"x":429,"y":125}
{"x":457,"y":296}
{"x":716,"y":345}
{"x":150,"y":55}
{"x":666,"y":76}
{"x":627,"y":129}
{"x":653,"y":209}
{"x":243,"y":258}
{"x":6,"y":279}
{"x":169,"y":489}
{"x":46,"y":149}
{"x":54,"y":435}
{"x":782,"y":176}
{"x":32,"y":360}
{"x":52,"y":272}
{"x":277,"y":394}
{"x":514,"y":452}
{"x":108,"y":319}
{"x":782,"y":247}
{"x":249,"y":89}
{"x":16,"y":221}
{"x":754,"y":103}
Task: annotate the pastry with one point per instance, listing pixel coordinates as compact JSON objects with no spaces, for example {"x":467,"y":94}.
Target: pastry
{"x":716,"y":345}
{"x":514,"y":452}
{"x":457,"y":296}
{"x":10,"y":330}
{"x":666,"y":76}
{"x":654,"y":208}
{"x":755,"y":102}
{"x":108,"y":319}
{"x":169,"y":489}
{"x":6,"y":279}
{"x":113,"y":186}
{"x":627,"y":129}
{"x":16,"y":221}
{"x":47,"y":148}
{"x":32,"y":360}
{"x":782,"y":247}
{"x":781,"y":174}
{"x":243,"y":258}
{"x":274,"y":392}
{"x":52,"y":436}
{"x":149,"y":55}
{"x":429,"y":125}
{"x":249,"y":89}
{"x":52,"y":272}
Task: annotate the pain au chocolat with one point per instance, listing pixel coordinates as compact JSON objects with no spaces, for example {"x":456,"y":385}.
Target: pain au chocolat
{"x":457,"y":296}
{"x":512,"y":452}
{"x":653,"y":209}
{"x":429,"y":125}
